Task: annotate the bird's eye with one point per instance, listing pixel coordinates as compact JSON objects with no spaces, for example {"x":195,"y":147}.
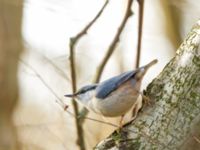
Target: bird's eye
{"x":81,"y":91}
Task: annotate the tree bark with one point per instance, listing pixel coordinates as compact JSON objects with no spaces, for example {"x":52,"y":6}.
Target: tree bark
{"x":10,"y":48}
{"x":172,"y":121}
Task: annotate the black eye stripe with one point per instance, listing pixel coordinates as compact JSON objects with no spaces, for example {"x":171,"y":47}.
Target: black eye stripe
{"x":83,"y":91}
{"x":86,"y":88}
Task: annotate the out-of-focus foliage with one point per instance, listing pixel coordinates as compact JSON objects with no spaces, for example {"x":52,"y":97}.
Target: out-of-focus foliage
{"x":10,"y":48}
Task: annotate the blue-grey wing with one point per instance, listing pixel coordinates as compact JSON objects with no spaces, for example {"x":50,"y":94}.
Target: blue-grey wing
{"x":108,"y":86}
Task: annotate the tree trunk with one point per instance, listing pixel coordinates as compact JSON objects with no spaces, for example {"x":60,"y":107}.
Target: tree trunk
{"x":10,"y":47}
{"x":172,"y":121}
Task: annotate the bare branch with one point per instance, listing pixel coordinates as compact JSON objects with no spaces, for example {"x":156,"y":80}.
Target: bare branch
{"x":72,"y":45}
{"x":80,"y":140}
{"x":59,"y":71}
{"x":139,"y":43}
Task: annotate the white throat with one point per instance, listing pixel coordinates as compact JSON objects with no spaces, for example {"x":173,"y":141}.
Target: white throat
{"x":86,"y":97}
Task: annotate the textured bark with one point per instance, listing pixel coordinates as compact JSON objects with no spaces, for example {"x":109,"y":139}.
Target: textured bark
{"x":10,"y":47}
{"x":172,"y":121}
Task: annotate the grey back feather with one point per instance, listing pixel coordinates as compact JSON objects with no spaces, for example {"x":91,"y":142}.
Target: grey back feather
{"x":108,"y":86}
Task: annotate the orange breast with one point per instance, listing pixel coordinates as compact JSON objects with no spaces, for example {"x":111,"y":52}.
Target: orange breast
{"x":119,"y":101}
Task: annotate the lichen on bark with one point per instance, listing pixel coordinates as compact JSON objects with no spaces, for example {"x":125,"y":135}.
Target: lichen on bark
{"x":172,"y":120}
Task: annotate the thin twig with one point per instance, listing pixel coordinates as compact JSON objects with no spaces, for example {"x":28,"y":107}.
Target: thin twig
{"x":140,"y":24}
{"x":110,"y":50}
{"x":59,"y":71}
{"x":73,"y":41}
{"x":42,"y":80}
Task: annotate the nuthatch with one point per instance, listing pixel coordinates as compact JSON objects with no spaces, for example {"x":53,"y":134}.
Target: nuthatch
{"x":115,"y":96}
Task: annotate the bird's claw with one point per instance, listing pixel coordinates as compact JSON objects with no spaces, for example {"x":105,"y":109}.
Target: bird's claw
{"x":146,"y":100}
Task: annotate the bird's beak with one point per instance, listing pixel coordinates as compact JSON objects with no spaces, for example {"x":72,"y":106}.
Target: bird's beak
{"x":70,"y":95}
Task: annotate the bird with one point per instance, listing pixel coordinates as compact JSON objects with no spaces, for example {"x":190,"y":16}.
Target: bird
{"x":115,"y":96}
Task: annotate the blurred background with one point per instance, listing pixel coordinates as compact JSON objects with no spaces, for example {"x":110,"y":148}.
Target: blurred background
{"x":44,"y":64}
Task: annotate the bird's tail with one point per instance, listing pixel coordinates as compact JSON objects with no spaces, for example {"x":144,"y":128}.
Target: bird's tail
{"x":142,"y":70}
{"x":153,"y":62}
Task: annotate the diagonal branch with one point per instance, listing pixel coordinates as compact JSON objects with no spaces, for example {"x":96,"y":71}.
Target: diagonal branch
{"x":57,"y":69}
{"x":75,"y":39}
{"x":43,"y":81}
